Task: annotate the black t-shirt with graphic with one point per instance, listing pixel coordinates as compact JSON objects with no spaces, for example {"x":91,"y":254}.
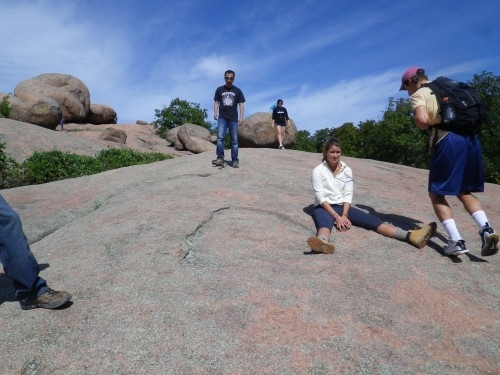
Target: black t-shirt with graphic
{"x":280,"y":115}
{"x":228,"y":99}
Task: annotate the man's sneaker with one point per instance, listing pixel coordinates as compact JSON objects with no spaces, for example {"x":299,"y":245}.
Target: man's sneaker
{"x":281,"y":148}
{"x":218,"y":163}
{"x":236,"y":164}
{"x":455,"y":247}
{"x":419,"y":237}
{"x":50,"y":299}
{"x":320,"y":245}
{"x":489,"y":241}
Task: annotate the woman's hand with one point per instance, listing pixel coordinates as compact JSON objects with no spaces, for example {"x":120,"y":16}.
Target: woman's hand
{"x":342,"y":223}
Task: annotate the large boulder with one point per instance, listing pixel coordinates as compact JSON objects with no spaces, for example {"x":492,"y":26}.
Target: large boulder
{"x":101,"y":114}
{"x":44,"y":96}
{"x":114,"y":135}
{"x":191,"y":137}
{"x":197,"y":145}
{"x":44,"y":111}
{"x":257,"y":131}
{"x":171,"y":136}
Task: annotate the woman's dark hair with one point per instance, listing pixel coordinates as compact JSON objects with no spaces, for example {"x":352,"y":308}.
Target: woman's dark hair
{"x":331,"y":142}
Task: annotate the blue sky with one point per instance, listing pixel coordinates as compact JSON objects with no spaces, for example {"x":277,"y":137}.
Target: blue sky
{"x":330,"y":61}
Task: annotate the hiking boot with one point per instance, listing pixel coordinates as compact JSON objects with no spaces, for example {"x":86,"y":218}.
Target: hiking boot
{"x":320,"y":245}
{"x":50,"y":299}
{"x":218,"y":163}
{"x":455,"y":247}
{"x":419,"y":236}
{"x":489,"y":240}
{"x":236,"y":164}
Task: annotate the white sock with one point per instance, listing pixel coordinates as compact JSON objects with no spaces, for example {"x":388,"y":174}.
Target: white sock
{"x":480,"y":218}
{"x":324,"y":238}
{"x":451,"y":228}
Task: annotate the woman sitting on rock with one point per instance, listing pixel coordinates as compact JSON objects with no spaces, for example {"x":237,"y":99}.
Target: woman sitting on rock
{"x":333,"y":184}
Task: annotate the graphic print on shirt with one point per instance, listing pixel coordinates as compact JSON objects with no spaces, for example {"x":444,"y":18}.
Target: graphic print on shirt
{"x":228,"y":98}
{"x":281,"y":115}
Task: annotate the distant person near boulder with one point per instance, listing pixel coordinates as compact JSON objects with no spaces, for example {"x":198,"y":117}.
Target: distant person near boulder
{"x":280,"y":121}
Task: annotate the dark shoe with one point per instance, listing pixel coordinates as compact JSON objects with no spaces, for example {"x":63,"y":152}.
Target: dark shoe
{"x":455,"y":248}
{"x":489,"y":241}
{"x":218,"y":163}
{"x":321,"y":246}
{"x":236,"y":164}
{"x":419,"y":237}
{"x":51,"y":299}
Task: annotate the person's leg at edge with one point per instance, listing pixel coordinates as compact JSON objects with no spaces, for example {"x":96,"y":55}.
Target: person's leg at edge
{"x":233,"y":133}
{"x":17,"y":259}
{"x":21,"y":266}
{"x":221,"y":134}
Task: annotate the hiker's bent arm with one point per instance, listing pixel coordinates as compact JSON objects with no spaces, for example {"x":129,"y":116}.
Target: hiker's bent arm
{"x":421,"y":117}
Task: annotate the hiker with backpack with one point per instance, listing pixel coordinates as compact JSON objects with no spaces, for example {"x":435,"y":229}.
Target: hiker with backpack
{"x":280,"y":121}
{"x":451,"y":112}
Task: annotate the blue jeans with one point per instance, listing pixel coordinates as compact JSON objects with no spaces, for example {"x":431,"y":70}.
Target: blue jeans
{"x":18,"y":262}
{"x":222,"y":127}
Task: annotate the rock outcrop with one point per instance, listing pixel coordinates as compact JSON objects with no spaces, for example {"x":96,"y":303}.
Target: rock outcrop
{"x":114,"y":135}
{"x":178,"y":267}
{"x":101,"y":114}
{"x":45,"y":99}
{"x":191,"y":137}
{"x":257,"y":131}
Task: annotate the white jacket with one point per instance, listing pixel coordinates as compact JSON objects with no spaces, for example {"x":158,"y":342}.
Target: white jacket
{"x":334,"y":189}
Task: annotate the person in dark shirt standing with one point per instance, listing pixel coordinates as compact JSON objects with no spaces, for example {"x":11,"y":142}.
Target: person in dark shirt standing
{"x":227,"y":100}
{"x":280,"y":120}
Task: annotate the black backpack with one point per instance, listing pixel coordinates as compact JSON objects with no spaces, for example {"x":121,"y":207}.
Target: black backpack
{"x":460,"y":106}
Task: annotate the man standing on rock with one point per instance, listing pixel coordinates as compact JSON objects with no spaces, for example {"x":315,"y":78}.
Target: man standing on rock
{"x":227,"y":100}
{"x":21,"y":266}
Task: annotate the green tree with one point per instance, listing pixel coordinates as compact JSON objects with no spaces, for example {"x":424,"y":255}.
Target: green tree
{"x":348,"y":135}
{"x":5,"y":107}
{"x":488,"y":87}
{"x":408,"y":144}
{"x":304,"y":142}
{"x":320,"y":137}
{"x":177,"y":113}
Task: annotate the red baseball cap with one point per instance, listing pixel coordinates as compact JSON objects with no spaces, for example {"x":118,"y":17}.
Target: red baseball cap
{"x":409,"y":73}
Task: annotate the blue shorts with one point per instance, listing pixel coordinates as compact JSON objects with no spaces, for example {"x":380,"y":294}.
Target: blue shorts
{"x":456,"y":166}
{"x":358,"y":218}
